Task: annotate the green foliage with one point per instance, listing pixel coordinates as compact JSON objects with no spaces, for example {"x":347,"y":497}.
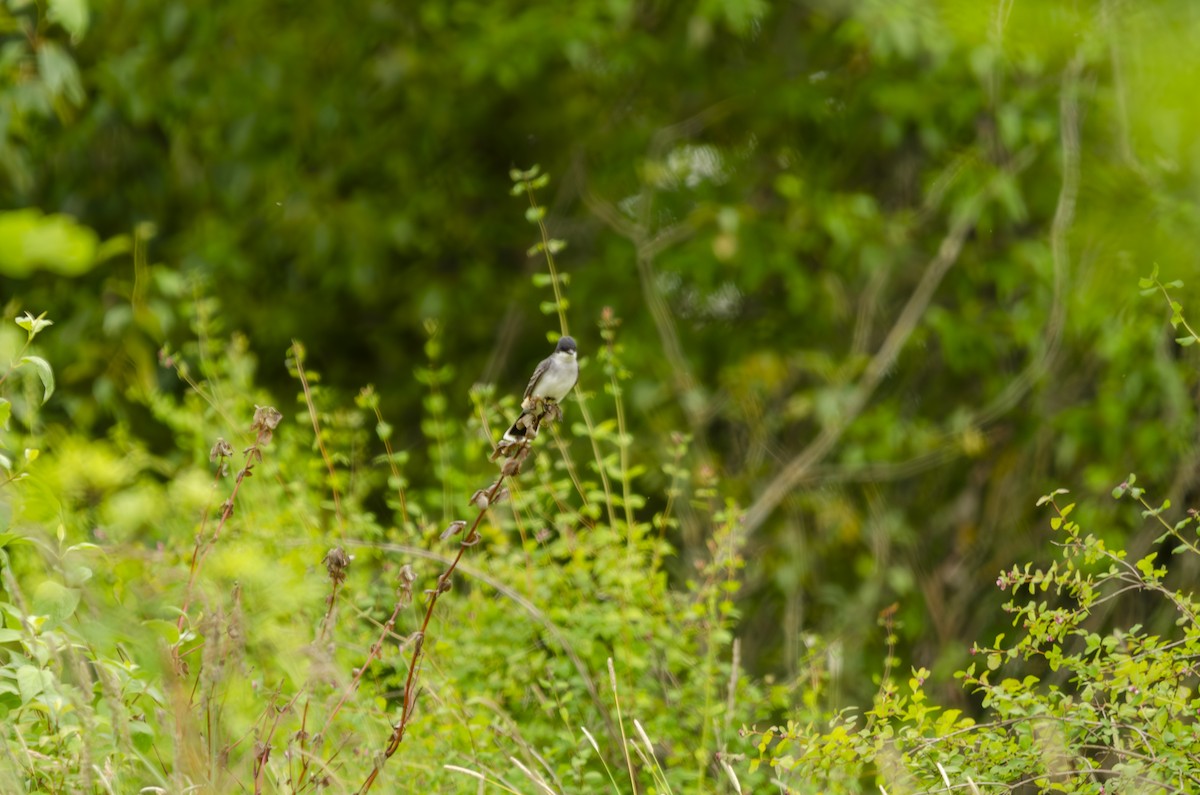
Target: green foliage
{"x":757,"y":190}
{"x":860,"y":267}
{"x":168,"y":622}
{"x":1084,"y":698}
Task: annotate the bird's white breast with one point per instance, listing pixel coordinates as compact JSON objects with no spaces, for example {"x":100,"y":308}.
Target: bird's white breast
{"x":558,"y":379}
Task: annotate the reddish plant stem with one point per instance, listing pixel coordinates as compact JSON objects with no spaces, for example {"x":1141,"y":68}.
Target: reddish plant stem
{"x":204,"y":547}
{"x":410,"y":683}
{"x":196,"y":550}
{"x":263,"y":752}
{"x":266,"y":419}
{"x":372,"y":655}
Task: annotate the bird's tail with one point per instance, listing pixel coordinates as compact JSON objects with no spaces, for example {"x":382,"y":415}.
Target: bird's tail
{"x":521,"y":429}
{"x":524,"y":427}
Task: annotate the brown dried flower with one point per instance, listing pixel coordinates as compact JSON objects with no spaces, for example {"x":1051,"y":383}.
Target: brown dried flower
{"x":453,"y":529}
{"x":336,"y":562}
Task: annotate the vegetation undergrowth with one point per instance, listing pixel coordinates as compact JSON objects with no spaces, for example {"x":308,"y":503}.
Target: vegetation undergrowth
{"x":271,"y":605}
{"x":1095,"y":690}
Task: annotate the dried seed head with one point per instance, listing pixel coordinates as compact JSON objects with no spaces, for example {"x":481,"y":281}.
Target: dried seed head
{"x":220,"y":452}
{"x":404,"y":589}
{"x":266,"y":419}
{"x":336,"y":562}
{"x":511,"y":467}
{"x":507,"y":448}
{"x":500,"y":496}
{"x":480,"y":499}
{"x":453,"y":529}
{"x":220,"y":449}
{"x":262,"y":751}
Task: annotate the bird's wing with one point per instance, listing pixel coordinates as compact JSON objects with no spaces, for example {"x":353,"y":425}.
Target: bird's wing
{"x":537,"y":376}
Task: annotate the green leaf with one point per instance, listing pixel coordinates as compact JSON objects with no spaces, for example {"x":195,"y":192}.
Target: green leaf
{"x":59,"y":72}
{"x":55,"y":601}
{"x":1175,"y":284}
{"x":9,"y":635}
{"x":29,"y":682}
{"x":55,"y":242}
{"x":142,"y":735}
{"x":5,"y":413}
{"x":71,"y":14}
{"x":167,"y":630}
{"x":44,"y":372}
{"x":1186,"y":341}
{"x":113,"y":247}
{"x":33,"y":324}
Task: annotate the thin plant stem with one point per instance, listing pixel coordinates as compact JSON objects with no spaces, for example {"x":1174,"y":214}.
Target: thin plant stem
{"x":558,"y":298}
{"x":612,"y":677}
{"x":591,"y":428}
{"x":265,"y":420}
{"x":622,"y":444}
{"x":298,"y":358}
{"x":418,"y":644}
{"x":391,"y":457}
{"x":569,"y":463}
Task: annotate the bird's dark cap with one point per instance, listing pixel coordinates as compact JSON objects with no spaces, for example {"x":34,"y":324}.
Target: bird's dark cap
{"x":566,"y":344}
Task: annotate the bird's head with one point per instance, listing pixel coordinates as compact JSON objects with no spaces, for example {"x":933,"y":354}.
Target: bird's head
{"x":565,"y":345}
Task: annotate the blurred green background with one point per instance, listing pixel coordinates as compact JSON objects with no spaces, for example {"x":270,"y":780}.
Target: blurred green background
{"x":878,"y":259}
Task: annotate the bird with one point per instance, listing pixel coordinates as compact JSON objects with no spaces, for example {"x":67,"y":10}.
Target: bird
{"x":553,"y":378}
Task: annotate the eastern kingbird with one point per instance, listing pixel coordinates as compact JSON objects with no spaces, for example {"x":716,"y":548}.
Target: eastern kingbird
{"x":554,"y":377}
